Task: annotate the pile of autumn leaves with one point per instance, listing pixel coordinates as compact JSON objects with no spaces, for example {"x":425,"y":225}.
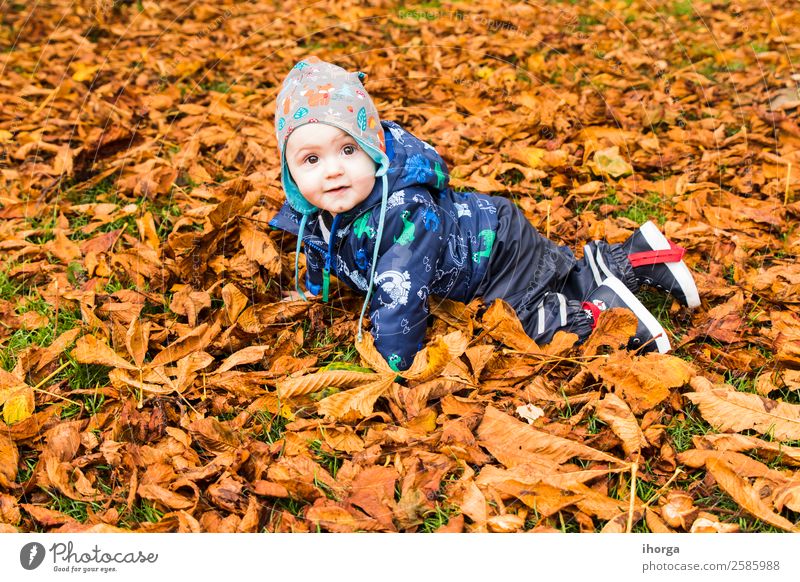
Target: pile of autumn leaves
{"x":472,"y":429}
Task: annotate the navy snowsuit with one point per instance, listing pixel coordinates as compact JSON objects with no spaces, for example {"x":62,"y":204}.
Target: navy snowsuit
{"x":458,"y":245}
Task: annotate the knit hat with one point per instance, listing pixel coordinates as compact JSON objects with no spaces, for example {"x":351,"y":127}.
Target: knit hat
{"x":315,"y":91}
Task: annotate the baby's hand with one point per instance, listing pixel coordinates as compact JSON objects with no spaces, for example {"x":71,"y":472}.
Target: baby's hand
{"x":295,"y":296}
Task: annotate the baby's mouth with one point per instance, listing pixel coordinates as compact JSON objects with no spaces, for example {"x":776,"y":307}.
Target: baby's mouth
{"x":338,"y":190}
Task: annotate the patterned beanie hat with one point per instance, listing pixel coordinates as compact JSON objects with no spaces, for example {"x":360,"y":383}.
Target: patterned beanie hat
{"x":315,"y":91}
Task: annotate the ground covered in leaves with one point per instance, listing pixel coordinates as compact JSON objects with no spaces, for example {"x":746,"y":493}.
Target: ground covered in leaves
{"x":154,"y":380}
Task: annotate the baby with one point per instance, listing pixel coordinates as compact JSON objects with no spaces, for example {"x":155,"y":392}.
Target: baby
{"x":370,"y":203}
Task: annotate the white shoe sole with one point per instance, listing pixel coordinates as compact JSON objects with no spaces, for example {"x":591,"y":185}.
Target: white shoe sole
{"x":679,"y":270}
{"x":641,"y":312}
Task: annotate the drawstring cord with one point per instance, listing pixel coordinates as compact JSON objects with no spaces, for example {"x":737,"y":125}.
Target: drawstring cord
{"x":371,"y":281}
{"x":297,"y":257}
{"x":378,"y":237}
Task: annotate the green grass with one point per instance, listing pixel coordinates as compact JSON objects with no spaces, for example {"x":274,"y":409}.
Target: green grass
{"x":42,"y":336}
{"x":681,"y":430}
{"x":681,"y":8}
{"x":438,"y":517}
{"x":658,"y":304}
{"x":651,"y":207}
{"x":142,"y":511}
{"x":729,"y":511}
{"x":326,"y":457}
{"x":77,"y":510}
{"x":273,"y":427}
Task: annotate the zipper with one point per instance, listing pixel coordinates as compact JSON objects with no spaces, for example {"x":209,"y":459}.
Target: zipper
{"x":326,"y":271}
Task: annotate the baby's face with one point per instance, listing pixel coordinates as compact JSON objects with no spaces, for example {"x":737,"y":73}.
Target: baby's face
{"x":331,"y":171}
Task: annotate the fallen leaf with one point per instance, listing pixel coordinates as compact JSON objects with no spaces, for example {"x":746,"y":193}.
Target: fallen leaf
{"x":90,"y":350}
{"x":613,"y":411}
{"x":356,"y":402}
{"x":746,"y":496}
{"x":729,"y":410}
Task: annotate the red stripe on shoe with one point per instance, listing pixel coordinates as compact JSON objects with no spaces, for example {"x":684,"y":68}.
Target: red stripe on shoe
{"x":672,"y":255}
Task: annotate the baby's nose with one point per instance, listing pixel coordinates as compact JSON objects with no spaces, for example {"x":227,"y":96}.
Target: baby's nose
{"x":333,"y":166}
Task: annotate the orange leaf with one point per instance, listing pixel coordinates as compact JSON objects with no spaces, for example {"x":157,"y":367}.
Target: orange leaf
{"x":90,"y":350}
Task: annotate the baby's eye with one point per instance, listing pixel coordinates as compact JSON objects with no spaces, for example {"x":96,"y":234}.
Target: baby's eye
{"x":349,"y":149}
{"x":312,"y":159}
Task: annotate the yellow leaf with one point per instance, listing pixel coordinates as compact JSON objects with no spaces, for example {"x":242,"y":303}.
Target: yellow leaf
{"x":430,"y":362}
{"x":90,"y":350}
{"x":533,"y":157}
{"x":84,"y":72}
{"x":610,"y":162}
{"x":5,"y":136}
{"x":358,"y":401}
{"x":745,"y":495}
{"x":19,"y":405}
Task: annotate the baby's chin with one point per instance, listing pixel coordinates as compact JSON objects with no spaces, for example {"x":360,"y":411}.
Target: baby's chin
{"x":339,"y":206}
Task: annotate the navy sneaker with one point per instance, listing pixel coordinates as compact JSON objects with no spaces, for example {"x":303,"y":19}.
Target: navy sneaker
{"x":657,"y":262}
{"x":612,"y":292}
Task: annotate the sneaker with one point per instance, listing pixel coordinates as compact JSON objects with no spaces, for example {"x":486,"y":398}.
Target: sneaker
{"x":657,"y":262}
{"x":612,"y":292}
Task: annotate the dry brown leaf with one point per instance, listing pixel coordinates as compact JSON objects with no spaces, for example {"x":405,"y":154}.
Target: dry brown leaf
{"x":747,"y":497}
{"x":614,"y":328}
{"x":315,"y":382}
{"x":788,"y":496}
{"x":619,"y":523}
{"x":356,"y":402}
{"x":194,"y":341}
{"x":90,"y":350}
{"x":260,"y":248}
{"x":137,"y":339}
{"x":248,"y":355}
{"x":257,"y":318}
{"x":512,"y":442}
{"x":705,"y":524}
{"x":9,"y":457}
{"x":370,"y":355}
{"x":729,"y":410}
{"x":432,"y":360}
{"x":678,"y":509}
{"x":235,"y":302}
{"x":654,"y":523}
{"x":642,"y":382}
{"x":502,"y":324}
{"x":739,"y":442}
{"x":373,"y":492}
{"x":613,"y":411}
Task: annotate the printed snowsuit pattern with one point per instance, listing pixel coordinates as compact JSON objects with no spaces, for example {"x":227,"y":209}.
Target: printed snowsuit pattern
{"x":450,"y":244}
{"x":435,"y":241}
